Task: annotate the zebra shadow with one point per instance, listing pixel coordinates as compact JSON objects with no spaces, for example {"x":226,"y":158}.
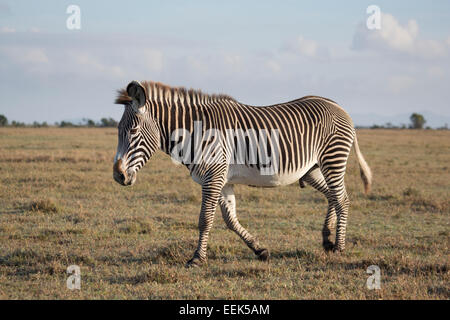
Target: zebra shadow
{"x":302,"y":254}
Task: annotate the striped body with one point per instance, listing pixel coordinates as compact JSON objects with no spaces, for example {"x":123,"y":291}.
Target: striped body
{"x":308,"y":140}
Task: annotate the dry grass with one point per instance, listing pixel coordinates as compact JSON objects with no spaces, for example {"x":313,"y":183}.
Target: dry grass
{"x":60,"y":206}
{"x":45,"y":206}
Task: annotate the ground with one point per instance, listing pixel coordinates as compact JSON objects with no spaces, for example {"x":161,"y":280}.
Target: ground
{"x":59,"y":206}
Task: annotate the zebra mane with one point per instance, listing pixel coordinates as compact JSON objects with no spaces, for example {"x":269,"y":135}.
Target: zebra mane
{"x":160,"y":91}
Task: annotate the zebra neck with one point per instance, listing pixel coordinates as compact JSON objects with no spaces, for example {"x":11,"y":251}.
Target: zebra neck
{"x":175,"y":118}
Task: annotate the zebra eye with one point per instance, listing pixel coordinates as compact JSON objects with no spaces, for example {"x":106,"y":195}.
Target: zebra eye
{"x":133,"y":131}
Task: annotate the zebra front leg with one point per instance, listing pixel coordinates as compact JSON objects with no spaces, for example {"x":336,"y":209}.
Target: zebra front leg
{"x":210,"y":198}
{"x":228,"y":207}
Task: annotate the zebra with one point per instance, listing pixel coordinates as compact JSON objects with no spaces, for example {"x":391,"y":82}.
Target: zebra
{"x":315,"y":136}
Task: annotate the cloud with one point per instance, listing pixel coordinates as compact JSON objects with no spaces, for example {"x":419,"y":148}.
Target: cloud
{"x":35,"y":56}
{"x":401,"y":83}
{"x":273,"y":65}
{"x":153,"y":59}
{"x":28,"y":59}
{"x":90,"y":63}
{"x":233,"y":60}
{"x":305,"y":47}
{"x":435,"y":72}
{"x":25,"y":55}
{"x":394,"y":37}
{"x":7,"y":30}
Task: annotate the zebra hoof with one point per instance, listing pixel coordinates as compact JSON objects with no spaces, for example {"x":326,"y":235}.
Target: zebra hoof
{"x":328,"y":246}
{"x":338,"y":249}
{"x":194,"y":262}
{"x":263,"y":254}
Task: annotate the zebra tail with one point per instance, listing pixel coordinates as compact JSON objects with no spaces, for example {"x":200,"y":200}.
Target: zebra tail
{"x":366,"y":173}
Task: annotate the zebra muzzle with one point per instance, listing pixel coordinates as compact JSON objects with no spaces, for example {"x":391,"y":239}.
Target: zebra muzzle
{"x":122,"y":176}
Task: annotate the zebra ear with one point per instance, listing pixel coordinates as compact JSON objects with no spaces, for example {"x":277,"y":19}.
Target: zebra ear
{"x":136,"y":92}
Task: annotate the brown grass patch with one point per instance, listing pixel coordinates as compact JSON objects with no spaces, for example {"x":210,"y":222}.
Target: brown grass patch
{"x":45,"y":206}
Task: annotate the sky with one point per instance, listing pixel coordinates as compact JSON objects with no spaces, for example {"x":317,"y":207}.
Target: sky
{"x":259,"y":52}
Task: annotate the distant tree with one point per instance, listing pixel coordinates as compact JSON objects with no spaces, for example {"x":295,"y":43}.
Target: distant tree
{"x":17,"y":124}
{"x":88,"y":122}
{"x":65,"y":124}
{"x":108,"y":122}
{"x":389,"y":125}
{"x":417,"y":121}
{"x":37,"y":124}
{"x":3,"y":121}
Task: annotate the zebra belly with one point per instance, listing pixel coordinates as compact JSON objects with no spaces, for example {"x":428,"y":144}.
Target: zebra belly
{"x":242,"y":174}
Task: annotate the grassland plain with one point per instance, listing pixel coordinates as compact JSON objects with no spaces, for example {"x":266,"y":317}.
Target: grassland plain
{"x":60,"y":206}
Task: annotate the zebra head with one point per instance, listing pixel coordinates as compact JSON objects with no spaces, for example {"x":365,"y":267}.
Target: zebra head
{"x":139,"y":136}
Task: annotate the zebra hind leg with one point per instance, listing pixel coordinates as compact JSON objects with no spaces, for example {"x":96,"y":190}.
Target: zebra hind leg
{"x":333,"y":165}
{"x":316,"y":180}
{"x":227,"y":203}
{"x":342,"y":205}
